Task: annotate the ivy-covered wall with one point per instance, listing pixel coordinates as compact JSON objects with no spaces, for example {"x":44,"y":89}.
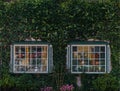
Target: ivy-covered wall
{"x":58,"y":23}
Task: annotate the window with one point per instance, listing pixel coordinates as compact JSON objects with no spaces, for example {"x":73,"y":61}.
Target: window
{"x":88,"y":57}
{"x":31,"y":57}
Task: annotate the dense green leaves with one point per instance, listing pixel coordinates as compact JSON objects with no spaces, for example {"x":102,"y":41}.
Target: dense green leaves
{"x":106,"y":82}
{"x":57,"y":22}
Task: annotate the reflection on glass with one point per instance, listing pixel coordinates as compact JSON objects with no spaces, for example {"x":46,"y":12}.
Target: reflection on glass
{"x":39,"y":49}
{"x":86,"y":62}
{"x":44,"y":68}
{"x":75,"y":55}
{"x":91,"y":69}
{"x":80,"y":48}
{"x":80,"y":69}
{"x":91,"y":49}
{"x":96,"y":48}
{"x":74,"y":68}
{"x":102,"y":68}
{"x":102,"y":49}
{"x":33,"y":48}
{"x":102,"y":62}
{"x":74,"y":62}
{"x":74,"y":48}
{"x":22,"y":49}
{"x":86,"y":68}
{"x":30,"y":58}
{"x":102,"y":55}
{"x":17,"y":48}
{"x":81,"y":62}
{"x":85,"y":48}
{"x":88,"y":58}
{"x":92,"y":62}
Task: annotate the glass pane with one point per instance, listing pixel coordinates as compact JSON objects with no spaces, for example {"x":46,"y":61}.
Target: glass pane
{"x":45,"y":48}
{"x":96,"y":68}
{"x":92,"y":62}
{"x":74,"y":48}
{"x":91,"y":55}
{"x":33,"y":48}
{"x":102,"y":68}
{"x":102,"y":55}
{"x":80,"y":55}
{"x":86,"y":62}
{"x":39,"y":49}
{"x":20,"y":68}
{"x":44,"y":62}
{"x":17,"y":49}
{"x":74,"y":62}
{"x":20,"y":55}
{"x":102,"y":49}
{"x":81,"y":62}
{"x":102,"y":62}
{"x":38,"y":62}
{"x":85,"y":48}
{"x":86,"y":68}
{"x":97,"y":62}
{"x":80,"y":48}
{"x":75,"y":55}
{"x":91,"y":49}
{"x":86,"y":55}
{"x":43,"y":55}
{"x":74,"y":68}
{"x":22,"y":49}
{"x":38,"y":55}
{"x":17,"y":62}
{"x":80,"y":69}
{"x":33,"y":61}
{"x":44,"y":68}
{"x":91,"y":69}
{"x":96,"y":55}
{"x":96,"y":48}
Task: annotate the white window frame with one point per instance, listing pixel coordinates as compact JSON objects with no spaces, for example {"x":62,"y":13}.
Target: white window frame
{"x":88,"y":51}
{"x":13,"y":59}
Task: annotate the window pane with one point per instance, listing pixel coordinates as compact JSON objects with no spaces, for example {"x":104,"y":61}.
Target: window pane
{"x":86,"y":68}
{"x":80,"y":69}
{"x":44,"y":55}
{"x":86,"y":62}
{"x":86,"y":55}
{"x":81,"y":62}
{"x":85,"y":48}
{"x":75,"y":55}
{"x":17,"y":49}
{"x":91,"y":49}
{"x":74,"y":68}
{"x":88,"y":58}
{"x":74,"y":62}
{"x":39,"y":49}
{"x":102,"y":49}
{"x":33,"y":48}
{"x":102,"y":55}
{"x":102,"y":62}
{"x":38,"y":62}
{"x":96,"y":68}
{"x":96,"y":48}
{"x":92,"y":62}
{"x":80,"y":48}
{"x":102,"y":68}
{"x":38,"y":55}
{"x":92,"y":69}
{"x":22,"y":49}
{"x":44,"y":68}
{"x":74,"y":48}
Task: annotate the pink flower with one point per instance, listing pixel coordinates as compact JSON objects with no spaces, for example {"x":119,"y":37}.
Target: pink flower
{"x":67,"y":88}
